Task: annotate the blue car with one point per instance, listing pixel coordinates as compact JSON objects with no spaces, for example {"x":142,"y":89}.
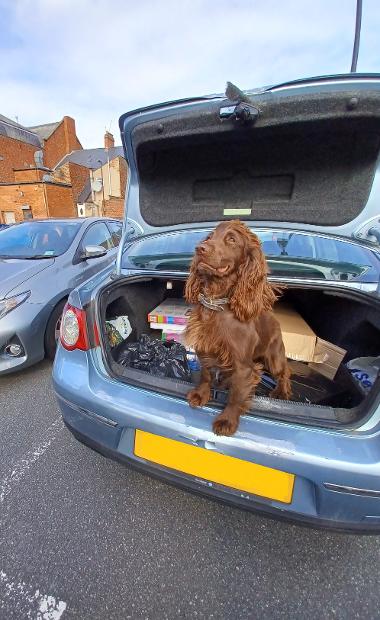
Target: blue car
{"x":298,"y":162}
{"x":41,"y":262}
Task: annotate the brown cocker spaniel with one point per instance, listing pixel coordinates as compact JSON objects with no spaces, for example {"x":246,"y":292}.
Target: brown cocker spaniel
{"x":232,"y":327}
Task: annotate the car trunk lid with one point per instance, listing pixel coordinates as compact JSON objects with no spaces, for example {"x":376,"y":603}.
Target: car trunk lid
{"x":307,"y":156}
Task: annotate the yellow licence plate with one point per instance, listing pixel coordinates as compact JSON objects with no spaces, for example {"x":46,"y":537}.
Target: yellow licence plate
{"x":215,"y":467}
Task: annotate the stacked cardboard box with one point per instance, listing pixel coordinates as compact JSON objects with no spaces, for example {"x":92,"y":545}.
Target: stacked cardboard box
{"x":171,"y":318}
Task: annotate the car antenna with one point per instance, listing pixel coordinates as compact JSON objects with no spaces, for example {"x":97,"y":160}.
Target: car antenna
{"x":358,"y":23}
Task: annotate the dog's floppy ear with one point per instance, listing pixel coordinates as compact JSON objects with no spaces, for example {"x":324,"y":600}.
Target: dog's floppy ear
{"x":252,"y":294}
{"x":193,"y":286}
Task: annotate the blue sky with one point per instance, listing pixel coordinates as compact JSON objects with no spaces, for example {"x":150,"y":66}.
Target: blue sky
{"x":95,"y":59}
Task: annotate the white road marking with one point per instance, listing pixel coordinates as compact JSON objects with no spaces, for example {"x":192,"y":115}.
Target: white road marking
{"x":40,"y":606}
{"x":24,"y":464}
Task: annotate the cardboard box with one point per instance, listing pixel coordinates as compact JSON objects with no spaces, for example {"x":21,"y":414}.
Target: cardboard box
{"x":328,"y":358}
{"x":168,"y":327}
{"x":176,"y":336}
{"x":299,"y":339}
{"x":172,"y":311}
{"x":303,"y":345}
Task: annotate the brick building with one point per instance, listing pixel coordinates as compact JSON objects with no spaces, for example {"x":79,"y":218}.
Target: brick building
{"x":104,"y":191}
{"x":45,"y":172}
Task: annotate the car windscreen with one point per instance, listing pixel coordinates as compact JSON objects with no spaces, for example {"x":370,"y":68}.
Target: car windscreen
{"x":32,"y":240}
{"x":289,"y":254}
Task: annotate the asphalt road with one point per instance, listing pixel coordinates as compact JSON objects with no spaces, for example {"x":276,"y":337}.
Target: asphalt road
{"x":84,"y":537}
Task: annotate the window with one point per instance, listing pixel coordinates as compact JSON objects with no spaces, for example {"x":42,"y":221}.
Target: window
{"x":116,"y":230}
{"x":27,"y":214}
{"x":9,"y":217}
{"x":98,"y":234}
{"x":289,"y":254}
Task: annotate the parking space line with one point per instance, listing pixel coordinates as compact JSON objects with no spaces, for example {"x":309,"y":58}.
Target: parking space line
{"x":40,"y":606}
{"x":28,"y":459}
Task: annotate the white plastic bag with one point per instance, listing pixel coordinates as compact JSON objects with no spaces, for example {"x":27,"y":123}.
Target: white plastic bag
{"x":365,"y":370}
{"x":118,"y":330}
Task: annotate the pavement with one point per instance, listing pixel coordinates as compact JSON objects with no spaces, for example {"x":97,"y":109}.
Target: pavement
{"x":85,"y":537}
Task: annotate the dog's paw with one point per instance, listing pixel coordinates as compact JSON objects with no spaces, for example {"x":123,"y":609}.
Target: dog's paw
{"x":225,"y":425}
{"x":198,"y":398}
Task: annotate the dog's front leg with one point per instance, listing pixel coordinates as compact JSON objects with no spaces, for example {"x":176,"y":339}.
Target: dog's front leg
{"x":202,"y":394}
{"x":243,"y":382}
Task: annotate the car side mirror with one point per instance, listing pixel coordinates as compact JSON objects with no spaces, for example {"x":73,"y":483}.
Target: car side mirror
{"x":93,"y":251}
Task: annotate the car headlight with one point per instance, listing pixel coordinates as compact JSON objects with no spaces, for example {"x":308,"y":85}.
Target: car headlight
{"x":9,"y":304}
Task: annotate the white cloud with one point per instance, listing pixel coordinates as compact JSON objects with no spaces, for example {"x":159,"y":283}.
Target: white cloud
{"x":95,"y":59}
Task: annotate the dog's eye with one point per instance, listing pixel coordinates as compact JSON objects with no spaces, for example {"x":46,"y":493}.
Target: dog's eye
{"x":231,"y":239}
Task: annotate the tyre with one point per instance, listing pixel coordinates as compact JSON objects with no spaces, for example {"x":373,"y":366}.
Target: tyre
{"x":52,"y":330}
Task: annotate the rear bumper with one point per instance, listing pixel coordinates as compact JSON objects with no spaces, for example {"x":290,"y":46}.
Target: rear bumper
{"x":104,"y":414}
{"x":252,"y":506}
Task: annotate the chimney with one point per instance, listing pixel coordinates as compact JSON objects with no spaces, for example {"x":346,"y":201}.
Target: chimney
{"x":71,"y":141}
{"x":109,"y":141}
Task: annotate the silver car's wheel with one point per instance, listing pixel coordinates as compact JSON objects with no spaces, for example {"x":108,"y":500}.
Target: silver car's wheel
{"x":58,"y":329}
{"x":52,"y":330}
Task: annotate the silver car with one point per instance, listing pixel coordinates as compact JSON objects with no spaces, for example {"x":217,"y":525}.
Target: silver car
{"x":41,"y":262}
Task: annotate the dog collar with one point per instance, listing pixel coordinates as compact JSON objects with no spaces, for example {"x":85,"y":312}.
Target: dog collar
{"x":213,"y":304}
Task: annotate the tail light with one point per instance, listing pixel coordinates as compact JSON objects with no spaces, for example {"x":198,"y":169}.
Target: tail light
{"x":73,"y":332}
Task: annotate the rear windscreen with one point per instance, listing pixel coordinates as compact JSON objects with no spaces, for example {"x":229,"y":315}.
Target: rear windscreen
{"x":289,"y":254}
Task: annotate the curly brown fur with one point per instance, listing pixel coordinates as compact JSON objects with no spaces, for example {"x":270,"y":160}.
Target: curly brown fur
{"x":244,"y":337}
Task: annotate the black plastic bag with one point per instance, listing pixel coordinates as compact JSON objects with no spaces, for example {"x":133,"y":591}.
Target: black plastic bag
{"x":162,"y":359}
